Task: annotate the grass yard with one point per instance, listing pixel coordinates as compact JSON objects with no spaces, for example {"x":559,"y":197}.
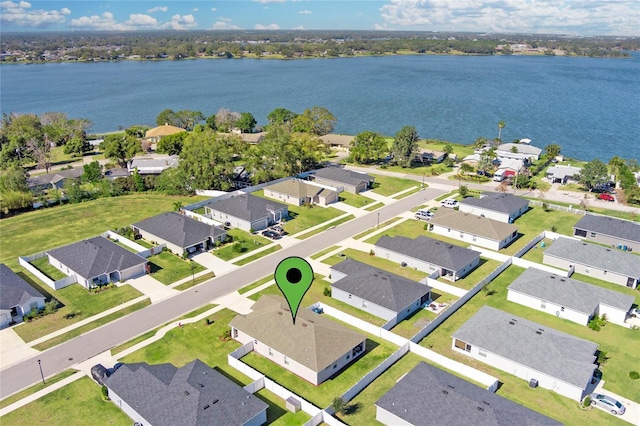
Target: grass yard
{"x":48,"y":269}
{"x":355,"y":200}
{"x":198,"y":280}
{"x":71,"y":405}
{"x":256,"y":284}
{"x":168,"y":268}
{"x":78,"y":300}
{"x":412,"y":228}
{"x":277,"y":413}
{"x":374,"y":206}
{"x":406,"y":194}
{"x":247,"y":242}
{"x":378,"y":262}
{"x":386,"y":185}
{"x":612,"y":339}
{"x":301,"y":218}
{"x":326,"y":226}
{"x":410,"y":326}
{"x":325,"y":251}
{"x":258,"y":255}
{"x":382,"y":225}
{"x":536,"y":252}
{"x":69,"y":223}
{"x":477,"y":275}
{"x":37,"y":387}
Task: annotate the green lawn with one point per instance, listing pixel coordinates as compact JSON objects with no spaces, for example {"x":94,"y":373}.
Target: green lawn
{"x":198,"y":280}
{"x":416,"y":322}
{"x":326,"y":226}
{"x":301,"y":218}
{"x":477,"y":275}
{"x":69,"y":223}
{"x":37,"y":387}
{"x":386,"y":185}
{"x":258,"y":255}
{"x":378,"y":262}
{"x":536,"y":253}
{"x":277,"y":413}
{"x":374,"y":206}
{"x":48,"y":269}
{"x":382,"y":225}
{"x":75,"y":299}
{"x":258,"y":283}
{"x":323,"y":252}
{"x":612,"y":339}
{"x":355,"y":200}
{"x":71,"y":405}
{"x":168,"y":268}
{"x":248,"y":242}
{"x":413,"y":228}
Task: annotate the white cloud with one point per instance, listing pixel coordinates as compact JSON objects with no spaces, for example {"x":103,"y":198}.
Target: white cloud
{"x":105,"y":21}
{"x":537,"y":16}
{"x":270,"y":1}
{"x":195,"y":9}
{"x":181,"y":22}
{"x":305,"y":12}
{"x":267,"y":27}
{"x":224,"y":25}
{"x":140,"y":20}
{"x":19,"y":14}
{"x":136,"y":21}
{"x":213,"y":9}
{"x":298,"y":28}
{"x":158,"y":9}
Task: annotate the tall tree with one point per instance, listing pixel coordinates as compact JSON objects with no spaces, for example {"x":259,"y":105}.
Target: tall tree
{"x":246,"y":123}
{"x":368,"y":146}
{"x":405,"y":144}
{"x":172,"y":144}
{"x":40,"y":150}
{"x":317,"y":120}
{"x":501,"y":125}
{"x":226,"y":119}
{"x":593,"y":174}
{"x":281,"y":116}
{"x":552,"y":151}
{"x":480,"y":142}
{"x":120,"y":147}
{"x":16,"y":131}
{"x":13,"y":179}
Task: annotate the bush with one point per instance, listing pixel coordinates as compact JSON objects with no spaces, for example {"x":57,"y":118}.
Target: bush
{"x":104,"y":391}
{"x":634,"y":375}
{"x":463,"y":190}
{"x":237,"y":247}
{"x":327,"y":291}
{"x":554,"y":229}
{"x":586,"y":401}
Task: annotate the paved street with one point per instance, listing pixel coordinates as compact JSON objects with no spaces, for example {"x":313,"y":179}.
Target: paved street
{"x":97,"y":341}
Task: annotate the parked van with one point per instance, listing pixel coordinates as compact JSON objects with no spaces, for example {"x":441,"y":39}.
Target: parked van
{"x":498,"y":176}
{"x":424,"y":215}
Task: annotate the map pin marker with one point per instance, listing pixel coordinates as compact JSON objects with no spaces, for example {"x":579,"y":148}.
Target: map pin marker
{"x":294,"y":277}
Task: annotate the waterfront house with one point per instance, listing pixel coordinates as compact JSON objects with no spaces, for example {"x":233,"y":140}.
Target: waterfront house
{"x":157,"y":133}
{"x":563,"y":174}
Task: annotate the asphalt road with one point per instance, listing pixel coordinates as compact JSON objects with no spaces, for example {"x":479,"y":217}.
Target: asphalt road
{"x":63,"y":356}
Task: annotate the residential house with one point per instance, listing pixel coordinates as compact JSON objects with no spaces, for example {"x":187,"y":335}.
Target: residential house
{"x":241,"y":177}
{"x":97,"y":261}
{"x":152,"y":165}
{"x":17,"y":297}
{"x":343,"y":179}
{"x":179,"y":232}
{"x":538,"y":354}
{"x":476,"y":230}
{"x":519,"y":151}
{"x":428,"y":255}
{"x":568,"y":298}
{"x":157,"y":133}
{"x":247,"y":212}
{"x":299,"y":192}
{"x":513,"y":165}
{"x":603,"y":263}
{"x":563,"y":174}
{"x":192,"y":395}
{"x":497,"y":206}
{"x":54,"y":180}
{"x":608,"y":230}
{"x":115,"y":173}
{"x":253,"y":138}
{"x":380,"y":293}
{"x":342,"y":142}
{"x":429,"y":156}
{"x":314,"y":347}
{"x":427,"y":396}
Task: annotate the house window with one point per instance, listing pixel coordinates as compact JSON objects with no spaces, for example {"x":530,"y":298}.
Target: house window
{"x":348,"y":356}
{"x":235,"y":333}
{"x":482,"y":353}
{"x":562,"y":309}
{"x":448,"y":229}
{"x":462,"y":345}
{"x":349,"y":296}
{"x":593,"y":235}
{"x":255,"y":341}
{"x":461,"y":235}
{"x":335,"y":366}
{"x":543,"y":304}
{"x":605,"y":272}
{"x":286,"y":361}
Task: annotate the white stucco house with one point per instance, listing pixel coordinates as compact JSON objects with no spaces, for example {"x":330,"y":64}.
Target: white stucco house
{"x":380,"y":293}
{"x":247,"y":212}
{"x":314,"y":348}
{"x":343,"y":179}
{"x":17,"y":297}
{"x":619,"y":233}
{"x":498,"y":206}
{"x":298,"y":192}
{"x":557,"y":361}
{"x":567,"y":298}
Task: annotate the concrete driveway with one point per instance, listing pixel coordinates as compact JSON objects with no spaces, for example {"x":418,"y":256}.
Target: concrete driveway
{"x":213,"y":263}
{"x":632,"y":413}
{"x":12,"y":348}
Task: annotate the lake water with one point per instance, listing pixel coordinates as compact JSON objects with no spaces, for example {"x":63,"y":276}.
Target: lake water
{"x":591,"y":107}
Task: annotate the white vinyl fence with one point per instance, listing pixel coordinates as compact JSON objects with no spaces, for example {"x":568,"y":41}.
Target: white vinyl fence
{"x":24,"y":261}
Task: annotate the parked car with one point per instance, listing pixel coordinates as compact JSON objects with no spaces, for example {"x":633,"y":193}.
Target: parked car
{"x":606,"y":197}
{"x":635,"y":312}
{"x":449,"y":203}
{"x":278,"y":229}
{"x":608,"y":403}
{"x":99,"y":373}
{"x":424,"y":215}
{"x":271,"y":234}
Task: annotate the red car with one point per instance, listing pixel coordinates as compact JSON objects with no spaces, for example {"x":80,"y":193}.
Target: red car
{"x":606,"y":197}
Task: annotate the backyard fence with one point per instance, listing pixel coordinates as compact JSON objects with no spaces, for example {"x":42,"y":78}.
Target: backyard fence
{"x":24,"y":261}
{"x":530,"y":245}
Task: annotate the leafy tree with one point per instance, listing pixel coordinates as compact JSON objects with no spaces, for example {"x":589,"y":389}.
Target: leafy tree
{"x":15,"y":200}
{"x":448,"y":149}
{"x":166,"y":117}
{"x":479,"y":142}
{"x":552,"y":151}
{"x":501,"y":125}
{"x":368,"y":146}
{"x":281,"y":116}
{"x":594,"y":173}
{"x":405,"y":145}
{"x":138,"y":182}
{"x":15,"y":132}
{"x":317,"y":120}
{"x":246,"y":123}
{"x":13,"y":179}
{"x":172,"y":144}
{"x":120,"y":147}
{"x":78,"y":146}
{"x":466,"y":168}
{"x":226,"y":119}
{"x":339,"y":405}
{"x":92,"y":172}
{"x":184,"y":119}
{"x":173,"y":182}
{"x":137,"y":131}
{"x":211,"y":122}
{"x":463,"y":190}
{"x":514,"y":149}
{"x":486,"y":163}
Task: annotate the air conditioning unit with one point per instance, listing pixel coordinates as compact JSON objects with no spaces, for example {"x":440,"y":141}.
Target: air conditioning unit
{"x":533,"y":383}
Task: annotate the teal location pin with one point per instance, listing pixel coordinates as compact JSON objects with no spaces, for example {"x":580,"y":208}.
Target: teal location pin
{"x":294,"y":277}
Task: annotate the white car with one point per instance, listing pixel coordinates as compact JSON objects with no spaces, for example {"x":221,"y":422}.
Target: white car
{"x":449,"y":203}
{"x":635,"y":312}
{"x":424,"y":215}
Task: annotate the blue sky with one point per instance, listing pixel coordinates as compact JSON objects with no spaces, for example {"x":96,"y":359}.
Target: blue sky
{"x":578,"y":17}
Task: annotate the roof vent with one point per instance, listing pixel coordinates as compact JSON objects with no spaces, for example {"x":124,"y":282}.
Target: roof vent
{"x":485,"y":402}
{"x":214,"y":401}
{"x":539,"y":331}
{"x":450,"y":387}
{"x":562,"y":279}
{"x":205,"y":407}
{"x":553,"y":277}
{"x":480,"y":408}
{"x":445,"y":392}
{"x":513,"y":321}
{"x":186,"y":393}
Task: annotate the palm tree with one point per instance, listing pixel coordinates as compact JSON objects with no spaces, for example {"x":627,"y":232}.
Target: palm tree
{"x":501,"y":125}
{"x":177,"y":205}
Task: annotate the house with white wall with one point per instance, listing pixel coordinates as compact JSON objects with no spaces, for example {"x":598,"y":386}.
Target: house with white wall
{"x":568,"y":298}
{"x":603,"y":263}
{"x":298,"y":192}
{"x":314,"y":347}
{"x":97,"y":261}
{"x":519,"y":151}
{"x":247,"y":212}
{"x":380,"y":293}
{"x":619,"y":233}
{"x":17,"y":297}
{"x":428,"y":255}
{"x":498,"y":206}
{"x":427,"y":395}
{"x":557,"y":361}
{"x":192,"y":395}
{"x":343,"y":179}
{"x":563,"y":174}
{"x":472,"y":229}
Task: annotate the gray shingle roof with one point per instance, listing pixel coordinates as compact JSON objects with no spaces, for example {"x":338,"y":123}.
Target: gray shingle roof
{"x":348,"y":177}
{"x":472,"y":224}
{"x":433,"y":251}
{"x":13,"y":289}
{"x":573,"y":294}
{"x":299,"y":188}
{"x":618,"y":228}
{"x":314,"y":341}
{"x":522,"y":148}
{"x":96,"y":256}
{"x":246,"y":207}
{"x":560,"y":172}
{"x":596,"y":256}
{"x":552,"y":352}
{"x":169,"y":396}
{"x":499,"y":202}
{"x":55,"y":177}
{"x":377,"y":286}
{"x":429,"y":396}
{"x":178,"y":229}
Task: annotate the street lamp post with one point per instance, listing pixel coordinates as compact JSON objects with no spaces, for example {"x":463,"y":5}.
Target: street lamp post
{"x":41,"y":374}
